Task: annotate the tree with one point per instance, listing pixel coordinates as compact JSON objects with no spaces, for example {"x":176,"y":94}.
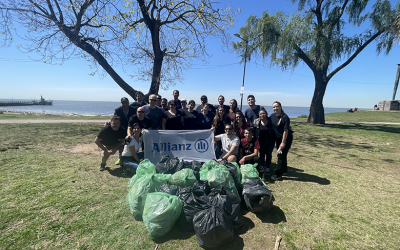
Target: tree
{"x":315,"y":36}
{"x":145,"y":33}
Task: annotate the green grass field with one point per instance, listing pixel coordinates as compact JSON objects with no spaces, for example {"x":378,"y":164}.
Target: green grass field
{"x":342,"y":192}
{"x":361,"y":116}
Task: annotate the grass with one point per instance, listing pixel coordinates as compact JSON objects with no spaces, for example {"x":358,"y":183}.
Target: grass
{"x":342,"y":192}
{"x":359,"y":116}
{"x":53,"y":117}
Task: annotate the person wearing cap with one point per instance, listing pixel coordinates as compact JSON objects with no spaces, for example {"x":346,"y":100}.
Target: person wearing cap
{"x":159,"y":97}
{"x":204,"y":100}
{"x":139,"y":100}
{"x":125,"y":112}
{"x":153,"y":112}
{"x":221,"y":100}
{"x":176,"y":99}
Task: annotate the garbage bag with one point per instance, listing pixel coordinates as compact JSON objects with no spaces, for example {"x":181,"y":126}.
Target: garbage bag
{"x":220,"y":176}
{"x":257,"y":196}
{"x":234,"y":170}
{"x":227,"y":200}
{"x":160,"y":212}
{"x":167,"y":165}
{"x":196,"y":165}
{"x":168,"y":189}
{"x":213,"y":227}
{"x":183,"y":164}
{"x":143,"y":185}
{"x":203,"y":186}
{"x":249,"y":170}
{"x":145,"y":167}
{"x":209,"y":164}
{"x":183,"y":178}
{"x":194,"y":200}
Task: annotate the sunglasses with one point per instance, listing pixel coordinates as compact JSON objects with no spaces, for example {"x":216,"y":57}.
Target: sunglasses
{"x":153,"y":100}
{"x":140,"y":111}
{"x":237,"y":117}
{"x":227,"y":129}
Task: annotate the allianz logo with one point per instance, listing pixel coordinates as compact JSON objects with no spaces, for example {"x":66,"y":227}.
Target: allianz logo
{"x":200,"y":146}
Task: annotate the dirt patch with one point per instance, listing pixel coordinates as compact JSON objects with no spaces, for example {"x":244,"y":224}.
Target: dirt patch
{"x":85,"y":149}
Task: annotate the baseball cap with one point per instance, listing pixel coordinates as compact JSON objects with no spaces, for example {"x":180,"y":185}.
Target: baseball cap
{"x":124,"y":99}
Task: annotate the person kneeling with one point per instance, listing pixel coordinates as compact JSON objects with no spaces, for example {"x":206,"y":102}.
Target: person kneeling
{"x":249,"y":147}
{"x":230,"y":144}
{"x":131,"y":157}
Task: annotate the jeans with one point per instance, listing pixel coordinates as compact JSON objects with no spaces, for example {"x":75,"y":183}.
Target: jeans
{"x":282,"y":158}
{"x":130,"y":163}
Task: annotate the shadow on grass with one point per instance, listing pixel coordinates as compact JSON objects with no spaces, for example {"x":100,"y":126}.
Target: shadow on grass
{"x":275,"y":215}
{"x":296,"y":174}
{"x":117,"y":172}
{"x":370,"y":127}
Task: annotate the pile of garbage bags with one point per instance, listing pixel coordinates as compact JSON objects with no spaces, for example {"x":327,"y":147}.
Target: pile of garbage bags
{"x":204,"y":198}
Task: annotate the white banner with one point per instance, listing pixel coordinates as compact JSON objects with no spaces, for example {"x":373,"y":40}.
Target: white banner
{"x":189,"y":145}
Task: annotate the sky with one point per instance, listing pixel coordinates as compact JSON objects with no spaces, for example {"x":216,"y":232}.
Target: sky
{"x":368,"y":79}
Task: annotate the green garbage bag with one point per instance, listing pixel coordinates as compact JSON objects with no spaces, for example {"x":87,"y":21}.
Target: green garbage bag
{"x":209,"y":164}
{"x":220,"y":176}
{"x":145,"y":167}
{"x":183,"y":178}
{"x":142,"y":186}
{"x":248,"y":170}
{"x":160,"y":212}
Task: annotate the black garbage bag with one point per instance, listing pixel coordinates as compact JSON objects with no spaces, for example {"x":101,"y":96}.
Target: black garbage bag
{"x":194,"y":200}
{"x":167,"y":165}
{"x":227,"y":200}
{"x":213,"y":227}
{"x":257,"y":196}
{"x":183,"y":164}
{"x":168,"y":189}
{"x":196,"y":166}
{"x":202,"y":185}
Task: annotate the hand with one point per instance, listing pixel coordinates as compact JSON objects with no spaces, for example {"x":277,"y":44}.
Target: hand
{"x":219,"y":160}
{"x":106,"y":124}
{"x":212,"y":129}
{"x":282,"y":146}
{"x":127,"y":137}
{"x":111,"y":152}
{"x":241,"y":162}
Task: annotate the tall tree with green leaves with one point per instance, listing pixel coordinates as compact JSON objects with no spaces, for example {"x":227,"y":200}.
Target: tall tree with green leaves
{"x":159,"y":37}
{"x":318,"y":35}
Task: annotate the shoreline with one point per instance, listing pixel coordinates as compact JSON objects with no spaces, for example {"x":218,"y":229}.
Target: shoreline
{"x":46,"y":114}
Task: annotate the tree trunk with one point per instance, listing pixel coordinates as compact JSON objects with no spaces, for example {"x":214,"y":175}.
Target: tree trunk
{"x":317,"y":115}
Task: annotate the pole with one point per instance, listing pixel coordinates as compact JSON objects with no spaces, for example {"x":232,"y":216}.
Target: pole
{"x":244,"y":74}
{"x":396,"y":82}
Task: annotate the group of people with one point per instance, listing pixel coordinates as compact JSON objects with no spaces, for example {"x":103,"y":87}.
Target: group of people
{"x":243,"y":138}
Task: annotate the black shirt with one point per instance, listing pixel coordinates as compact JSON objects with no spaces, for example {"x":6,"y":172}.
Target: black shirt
{"x":110,"y":137}
{"x":145,"y":123}
{"x":220,"y":128}
{"x":174,"y":122}
{"x":137,"y":105}
{"x":226,"y":108}
{"x":191,"y":122}
{"x":284,"y":125}
{"x":125,"y":118}
{"x":199,"y":109}
{"x":265,"y":132}
{"x":205,"y":121}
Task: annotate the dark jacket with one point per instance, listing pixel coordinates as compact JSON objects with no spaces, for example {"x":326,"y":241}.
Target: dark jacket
{"x":256,"y":129}
{"x":124,"y":119}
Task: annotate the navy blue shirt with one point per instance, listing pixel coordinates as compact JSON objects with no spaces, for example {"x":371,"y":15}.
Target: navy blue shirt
{"x":205,"y":121}
{"x":252,"y":114}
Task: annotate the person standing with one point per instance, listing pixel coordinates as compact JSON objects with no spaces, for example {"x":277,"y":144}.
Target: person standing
{"x":139,"y":100}
{"x":176,"y":99}
{"x":131,"y":157}
{"x":233,"y":109}
{"x":159,"y":101}
{"x":124,"y":112}
{"x":219,"y":122}
{"x":172,"y":119}
{"x":190,"y":117}
{"x":204,"y":100}
{"x":252,"y":112}
{"x":143,"y":121}
{"x":221,"y":100}
{"x":205,"y":118}
{"x":164,"y":104}
{"x":110,"y":139}
{"x":230,"y":144}
{"x":249,"y":148}
{"x":283,"y":138}
{"x":153,"y":112}
{"x":263,"y":131}
{"x":183,"y":103}
{"x":240,"y":125}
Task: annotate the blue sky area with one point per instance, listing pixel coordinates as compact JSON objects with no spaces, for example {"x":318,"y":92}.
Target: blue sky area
{"x":366,"y":81}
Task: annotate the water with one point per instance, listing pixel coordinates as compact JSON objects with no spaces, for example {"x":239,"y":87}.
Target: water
{"x":107,"y":108}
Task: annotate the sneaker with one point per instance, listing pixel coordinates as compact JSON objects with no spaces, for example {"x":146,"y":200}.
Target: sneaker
{"x":117,"y":162}
{"x":275,"y":177}
{"x":102,"y":167}
{"x":266,"y":171}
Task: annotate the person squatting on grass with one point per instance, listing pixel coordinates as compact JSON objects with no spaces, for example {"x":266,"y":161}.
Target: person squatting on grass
{"x":263,"y":131}
{"x":230,"y":144}
{"x":249,"y":148}
{"x":283,"y":138}
{"x":110,"y":139}
{"x":130,"y":156}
